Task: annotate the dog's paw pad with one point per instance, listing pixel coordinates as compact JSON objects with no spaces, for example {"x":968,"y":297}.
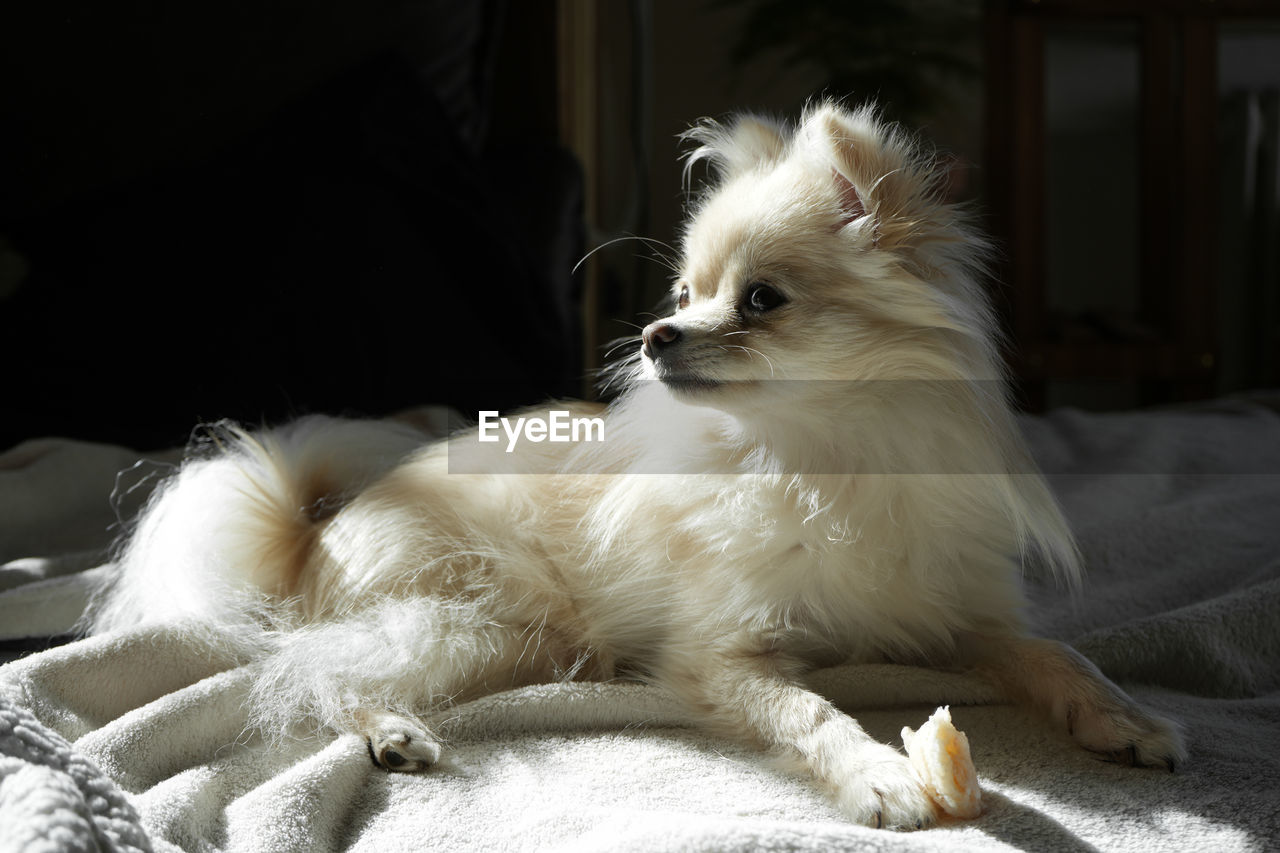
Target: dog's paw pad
{"x":404,"y":754}
{"x":399,"y":746}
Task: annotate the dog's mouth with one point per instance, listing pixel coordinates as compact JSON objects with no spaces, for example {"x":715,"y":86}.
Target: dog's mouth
{"x":695,"y":375}
{"x":681,"y":379}
{"x":690,"y":384}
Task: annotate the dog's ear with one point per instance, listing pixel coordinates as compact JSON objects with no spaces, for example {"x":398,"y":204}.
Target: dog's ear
{"x":866,"y":161}
{"x":745,"y":143}
{"x":851,"y":206}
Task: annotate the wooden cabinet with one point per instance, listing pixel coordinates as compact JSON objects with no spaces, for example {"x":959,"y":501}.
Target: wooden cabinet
{"x":1103,"y":179}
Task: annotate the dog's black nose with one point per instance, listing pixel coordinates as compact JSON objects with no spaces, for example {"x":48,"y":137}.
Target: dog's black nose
{"x":658,"y":336}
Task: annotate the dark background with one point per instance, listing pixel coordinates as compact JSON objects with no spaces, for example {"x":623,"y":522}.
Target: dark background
{"x":256,"y":210}
{"x":260,"y":209}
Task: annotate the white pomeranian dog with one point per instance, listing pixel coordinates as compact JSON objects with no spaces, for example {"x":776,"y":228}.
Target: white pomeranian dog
{"x":812,"y":460}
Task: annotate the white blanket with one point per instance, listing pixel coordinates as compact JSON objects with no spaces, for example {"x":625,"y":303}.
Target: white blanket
{"x":135,"y":741}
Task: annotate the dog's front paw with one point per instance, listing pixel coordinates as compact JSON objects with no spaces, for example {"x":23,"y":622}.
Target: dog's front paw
{"x":879,"y":789}
{"x":399,"y":744}
{"x":1126,"y":733}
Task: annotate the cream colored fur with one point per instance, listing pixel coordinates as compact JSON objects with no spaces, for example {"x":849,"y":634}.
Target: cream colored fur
{"x":833,"y":473}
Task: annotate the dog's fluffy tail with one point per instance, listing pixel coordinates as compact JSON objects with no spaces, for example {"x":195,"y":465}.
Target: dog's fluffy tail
{"x":221,"y":542}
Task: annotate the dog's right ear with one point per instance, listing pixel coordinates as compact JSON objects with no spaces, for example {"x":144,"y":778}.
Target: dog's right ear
{"x":747,"y":142}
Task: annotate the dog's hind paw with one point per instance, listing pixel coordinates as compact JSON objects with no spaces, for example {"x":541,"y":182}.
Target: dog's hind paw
{"x":398,"y":743}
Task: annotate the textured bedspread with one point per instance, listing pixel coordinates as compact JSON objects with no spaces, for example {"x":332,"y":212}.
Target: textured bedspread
{"x":135,"y":740}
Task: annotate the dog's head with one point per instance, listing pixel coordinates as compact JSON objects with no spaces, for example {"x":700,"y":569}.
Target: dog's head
{"x":819,"y":252}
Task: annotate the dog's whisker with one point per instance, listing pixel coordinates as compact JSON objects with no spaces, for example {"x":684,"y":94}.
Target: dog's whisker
{"x":619,"y":345}
{"x":649,"y":241}
{"x":754,"y":352}
{"x":658,"y":259}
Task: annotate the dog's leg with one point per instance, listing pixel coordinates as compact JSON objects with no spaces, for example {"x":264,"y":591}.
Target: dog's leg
{"x":492,"y":656}
{"x":375,"y":671}
{"x":1060,"y":682}
{"x":753,"y":694}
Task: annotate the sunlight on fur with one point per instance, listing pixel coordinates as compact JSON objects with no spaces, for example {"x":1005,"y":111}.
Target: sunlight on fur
{"x":812,"y":460}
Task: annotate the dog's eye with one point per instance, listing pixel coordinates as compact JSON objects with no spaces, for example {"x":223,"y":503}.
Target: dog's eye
{"x":762,"y":297}
{"x":683,"y":300}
